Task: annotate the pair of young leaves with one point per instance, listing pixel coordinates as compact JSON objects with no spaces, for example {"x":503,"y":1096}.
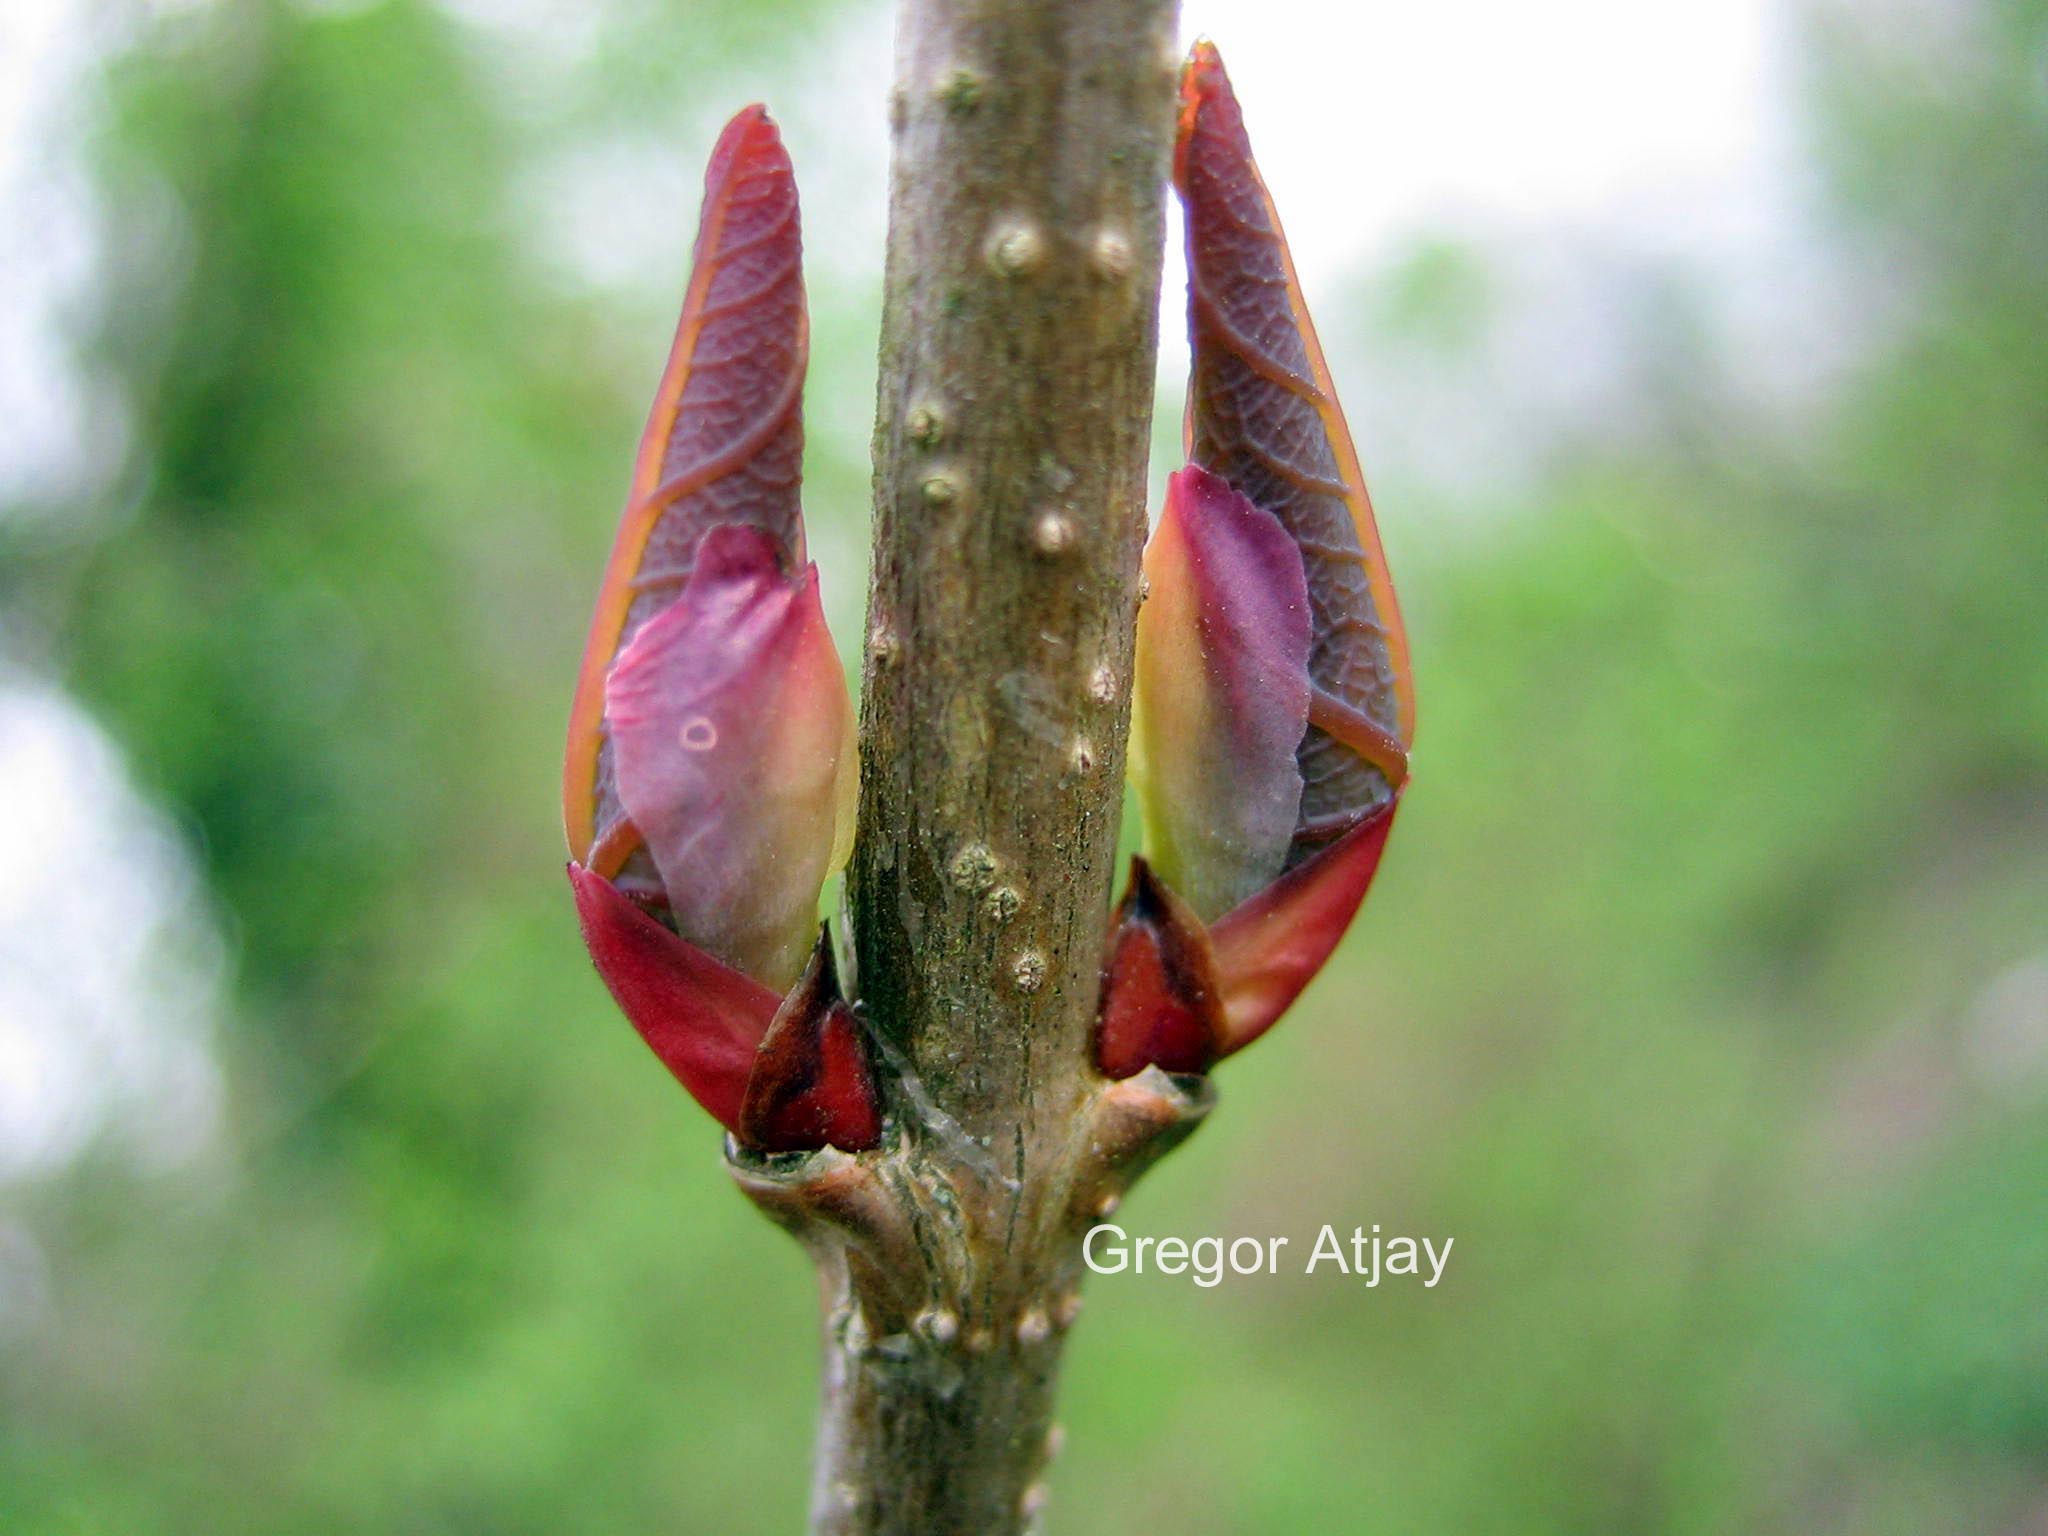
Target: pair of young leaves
{"x":711,"y":763}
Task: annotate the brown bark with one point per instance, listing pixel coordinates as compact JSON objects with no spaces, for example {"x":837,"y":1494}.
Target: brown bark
{"x":1031,"y":143}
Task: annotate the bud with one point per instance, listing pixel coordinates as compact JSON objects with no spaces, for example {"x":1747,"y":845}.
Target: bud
{"x":812,"y":1083}
{"x":723,"y":444}
{"x":1159,"y":1003}
{"x":709,"y":784}
{"x":710,"y":759}
{"x":1273,"y":706}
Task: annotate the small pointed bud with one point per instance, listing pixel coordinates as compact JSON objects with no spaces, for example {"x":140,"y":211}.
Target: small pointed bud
{"x":703,"y":1019}
{"x":733,"y":737}
{"x":1159,"y":1001}
{"x":1263,"y":414}
{"x":1222,"y":693}
{"x":1268,"y":949}
{"x":812,"y":1084}
{"x":723,"y":444}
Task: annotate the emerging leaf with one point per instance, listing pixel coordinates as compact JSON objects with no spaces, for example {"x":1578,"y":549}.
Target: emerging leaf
{"x":723,"y":444}
{"x":1263,"y":414}
{"x":733,"y":737}
{"x":1273,"y":706}
{"x":1222,"y":693}
{"x":710,"y":774}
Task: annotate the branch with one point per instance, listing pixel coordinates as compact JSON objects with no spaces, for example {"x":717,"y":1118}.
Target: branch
{"x":1019,"y":339}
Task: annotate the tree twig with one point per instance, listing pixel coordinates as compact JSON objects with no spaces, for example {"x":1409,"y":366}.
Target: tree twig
{"x":1031,"y":143}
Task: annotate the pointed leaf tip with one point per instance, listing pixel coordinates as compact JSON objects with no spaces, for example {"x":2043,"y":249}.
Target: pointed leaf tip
{"x":1159,"y":1004}
{"x":1271,"y":947}
{"x":723,"y":444}
{"x":1222,"y":693}
{"x":813,"y":1084}
{"x":703,"y":1019}
{"x":733,"y":736}
{"x":1263,"y":414}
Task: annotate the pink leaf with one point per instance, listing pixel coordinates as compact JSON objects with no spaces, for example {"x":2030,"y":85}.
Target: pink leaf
{"x":734,"y":742}
{"x":1263,"y":414}
{"x":1222,"y":693}
{"x":723,"y":444}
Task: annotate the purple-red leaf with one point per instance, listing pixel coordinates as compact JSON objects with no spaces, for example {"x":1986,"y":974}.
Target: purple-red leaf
{"x":1269,"y":948}
{"x":733,"y":738}
{"x":1222,"y":693}
{"x":703,"y":1019}
{"x":723,"y":444}
{"x":1263,"y":414}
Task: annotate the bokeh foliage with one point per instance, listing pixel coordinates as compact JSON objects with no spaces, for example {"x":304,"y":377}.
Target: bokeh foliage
{"x":1686,"y":1001}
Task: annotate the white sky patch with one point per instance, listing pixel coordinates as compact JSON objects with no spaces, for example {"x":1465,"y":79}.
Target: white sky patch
{"x":46,"y":250}
{"x":1371,"y":121}
{"x":1585,"y":153}
{"x":1374,"y":120}
{"x":110,"y":964}
{"x":112,"y":972}
{"x":1582,"y":149}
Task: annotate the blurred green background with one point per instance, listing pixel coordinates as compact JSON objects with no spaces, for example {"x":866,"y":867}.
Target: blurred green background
{"x":1703,"y":998}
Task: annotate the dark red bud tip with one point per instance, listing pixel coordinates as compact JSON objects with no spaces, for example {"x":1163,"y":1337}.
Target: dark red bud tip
{"x":704,"y":1019}
{"x":1159,"y":998}
{"x":812,"y":1084}
{"x":1268,"y":948}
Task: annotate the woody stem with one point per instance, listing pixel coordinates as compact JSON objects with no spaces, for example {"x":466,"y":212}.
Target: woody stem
{"x":1020,"y":311}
